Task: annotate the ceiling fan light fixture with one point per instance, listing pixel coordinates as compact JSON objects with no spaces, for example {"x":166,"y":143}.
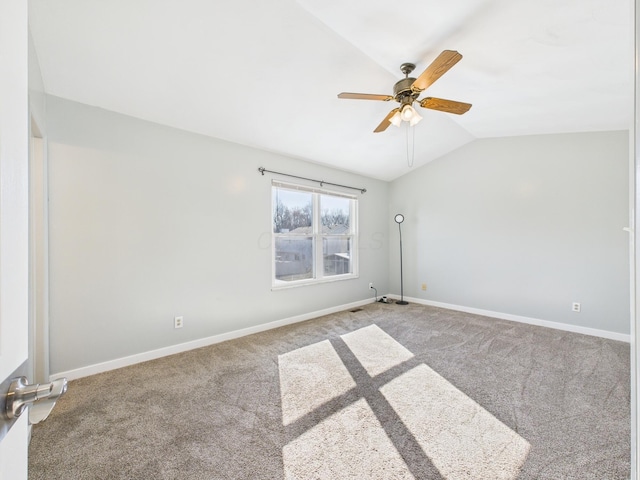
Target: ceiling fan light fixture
{"x":396,"y":119}
{"x":415,"y":119}
{"x":407,"y":113}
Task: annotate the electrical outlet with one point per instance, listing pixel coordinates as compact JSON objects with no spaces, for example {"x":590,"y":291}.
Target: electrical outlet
{"x":575,"y":307}
{"x":424,"y":286}
{"x":370,"y":285}
{"x":178,"y":322}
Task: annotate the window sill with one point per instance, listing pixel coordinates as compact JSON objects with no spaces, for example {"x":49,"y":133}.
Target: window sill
{"x":281,"y":285}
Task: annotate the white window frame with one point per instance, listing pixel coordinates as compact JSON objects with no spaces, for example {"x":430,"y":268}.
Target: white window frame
{"x":317,"y":237}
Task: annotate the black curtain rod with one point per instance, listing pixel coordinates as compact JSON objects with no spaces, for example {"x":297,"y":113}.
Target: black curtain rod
{"x":321,"y":182}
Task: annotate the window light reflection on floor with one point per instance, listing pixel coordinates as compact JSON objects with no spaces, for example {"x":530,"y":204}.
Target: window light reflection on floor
{"x":459,"y":437}
{"x":309,"y":377}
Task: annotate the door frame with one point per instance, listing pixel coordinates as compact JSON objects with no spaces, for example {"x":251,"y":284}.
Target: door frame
{"x":634,"y":250}
{"x":38,"y":258}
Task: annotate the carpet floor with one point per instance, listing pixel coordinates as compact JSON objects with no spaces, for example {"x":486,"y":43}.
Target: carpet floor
{"x":381,"y":392}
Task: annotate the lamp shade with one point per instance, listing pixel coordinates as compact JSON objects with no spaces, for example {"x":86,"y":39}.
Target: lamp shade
{"x":407,"y":113}
{"x":396,"y":120}
{"x":415,"y":119}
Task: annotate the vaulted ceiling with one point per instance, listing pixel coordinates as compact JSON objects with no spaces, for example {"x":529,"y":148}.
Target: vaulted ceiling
{"x":267,"y":73}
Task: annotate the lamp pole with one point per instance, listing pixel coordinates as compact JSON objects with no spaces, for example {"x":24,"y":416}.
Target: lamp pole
{"x":399,"y":218}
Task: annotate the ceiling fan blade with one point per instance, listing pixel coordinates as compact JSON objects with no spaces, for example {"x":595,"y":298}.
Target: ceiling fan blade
{"x":365,"y":96}
{"x":443,"y":105}
{"x":438,"y":67}
{"x":385,"y":123}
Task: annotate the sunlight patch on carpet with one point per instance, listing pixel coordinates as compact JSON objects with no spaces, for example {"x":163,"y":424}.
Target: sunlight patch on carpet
{"x":309,"y":377}
{"x":376,"y":350}
{"x":460,"y":437}
{"x":350,"y":443}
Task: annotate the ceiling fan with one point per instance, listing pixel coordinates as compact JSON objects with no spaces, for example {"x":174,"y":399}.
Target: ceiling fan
{"x":407,"y":91}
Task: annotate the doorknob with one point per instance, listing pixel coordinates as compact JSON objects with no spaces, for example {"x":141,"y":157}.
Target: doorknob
{"x":43,"y":397}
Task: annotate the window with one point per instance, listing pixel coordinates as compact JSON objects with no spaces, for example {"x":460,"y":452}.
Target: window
{"x":314,"y":234}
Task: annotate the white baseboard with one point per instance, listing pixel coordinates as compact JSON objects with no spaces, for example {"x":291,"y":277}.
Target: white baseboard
{"x":202,"y":342}
{"x":517,"y":318}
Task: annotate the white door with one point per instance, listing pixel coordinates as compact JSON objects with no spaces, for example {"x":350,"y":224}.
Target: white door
{"x":14,"y":259}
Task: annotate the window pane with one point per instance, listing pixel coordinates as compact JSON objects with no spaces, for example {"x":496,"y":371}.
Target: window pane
{"x":335,"y":215}
{"x":336,"y":255}
{"x":294,"y":258}
{"x":292,"y":211}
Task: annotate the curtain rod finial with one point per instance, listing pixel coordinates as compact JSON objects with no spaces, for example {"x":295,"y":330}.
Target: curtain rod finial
{"x":261,"y":170}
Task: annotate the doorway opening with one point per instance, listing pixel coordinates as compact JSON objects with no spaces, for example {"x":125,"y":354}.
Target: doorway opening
{"x":38,"y":258}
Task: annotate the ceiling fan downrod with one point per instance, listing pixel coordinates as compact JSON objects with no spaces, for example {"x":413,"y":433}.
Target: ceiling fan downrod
{"x":407,"y":68}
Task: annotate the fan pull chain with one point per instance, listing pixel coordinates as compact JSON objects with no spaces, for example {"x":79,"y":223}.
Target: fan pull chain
{"x":413,"y":145}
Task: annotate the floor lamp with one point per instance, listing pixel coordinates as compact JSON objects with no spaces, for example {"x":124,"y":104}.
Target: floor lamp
{"x":399,"y":218}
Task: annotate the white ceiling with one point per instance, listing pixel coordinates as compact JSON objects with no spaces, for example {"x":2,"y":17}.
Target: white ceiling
{"x":267,"y":73}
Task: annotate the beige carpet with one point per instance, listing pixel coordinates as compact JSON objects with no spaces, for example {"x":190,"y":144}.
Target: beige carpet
{"x":388,"y":392}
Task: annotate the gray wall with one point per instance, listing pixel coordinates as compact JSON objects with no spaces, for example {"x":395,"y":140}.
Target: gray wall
{"x":149,"y":222}
{"x":520,"y":225}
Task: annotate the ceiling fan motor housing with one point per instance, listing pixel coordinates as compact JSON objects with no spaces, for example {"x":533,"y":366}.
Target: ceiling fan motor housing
{"x":402,"y":91}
